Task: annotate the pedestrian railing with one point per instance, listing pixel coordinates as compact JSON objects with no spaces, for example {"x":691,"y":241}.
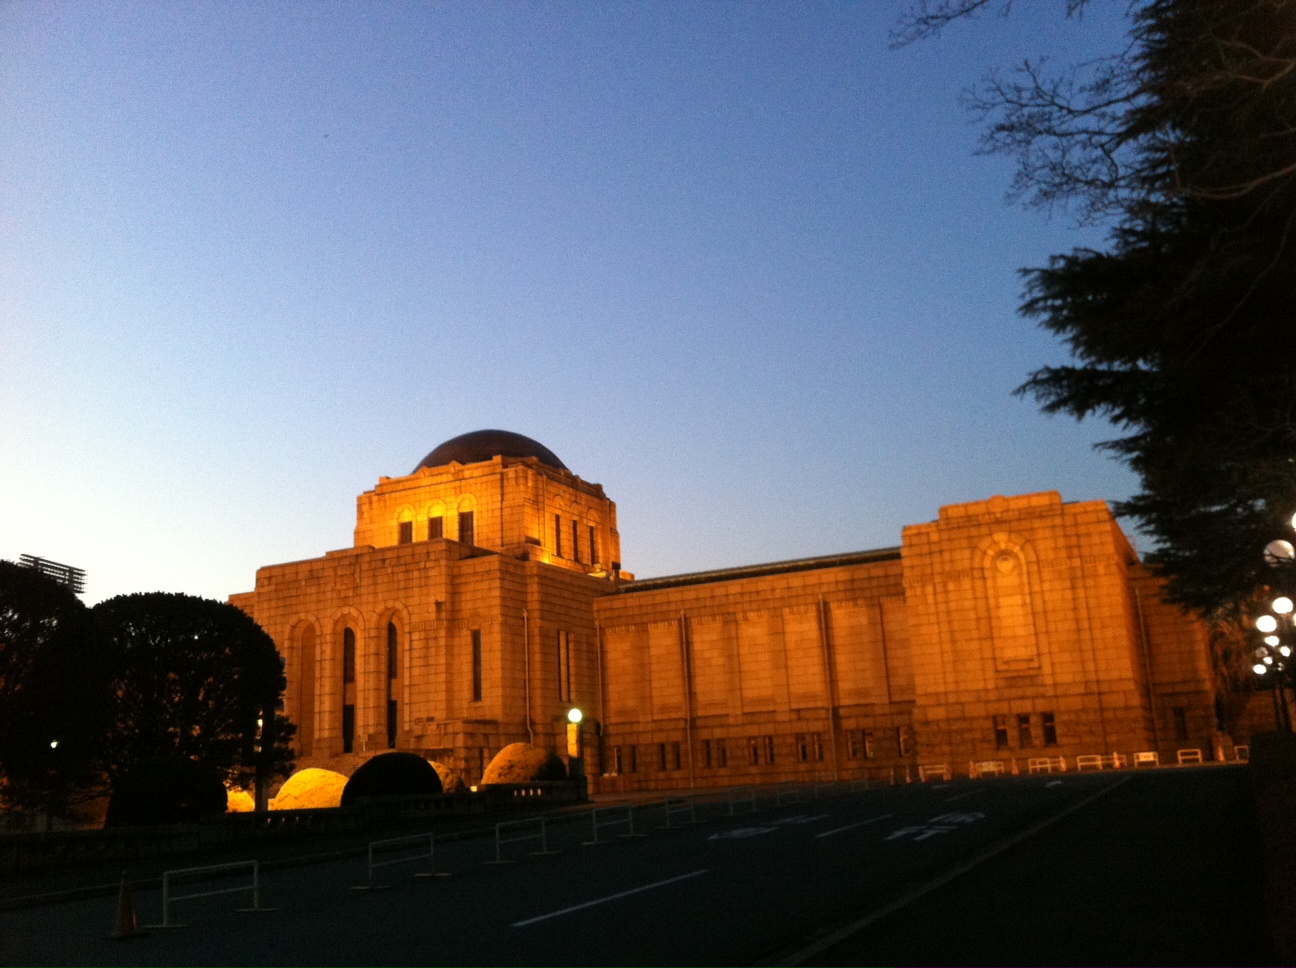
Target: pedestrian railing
{"x":1046,"y":764}
{"x":1189,"y":756}
{"x":610,"y":817}
{"x":679,"y":811}
{"x":1242,"y":753}
{"x":987,"y":768}
{"x":426,"y":844}
{"x":1090,"y":761}
{"x":740,"y":797}
{"x":933,"y":771}
{"x":170,"y":880}
{"x":1146,"y":758}
{"x":519,"y":832}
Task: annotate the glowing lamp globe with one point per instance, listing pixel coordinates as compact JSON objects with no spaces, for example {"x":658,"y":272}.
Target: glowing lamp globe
{"x":1259,"y":668}
{"x":1266,"y":623}
{"x":1282,"y":605}
{"x":1279,"y":553}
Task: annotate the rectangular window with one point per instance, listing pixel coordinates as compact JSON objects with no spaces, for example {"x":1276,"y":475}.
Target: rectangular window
{"x":816,"y":746}
{"x":348,"y":728}
{"x":558,"y":535}
{"x":854,"y":748}
{"x":618,"y":760}
{"x":1050,"y":729}
{"x":675,"y":755}
{"x":706,"y":753}
{"x":1181,"y":722}
{"x":1001,"y":732}
{"x":593,"y":545}
{"x":661,"y":757}
{"x":348,"y":656}
{"x":477,"y":665}
{"x":436,"y":527}
{"x":754,"y":744}
{"x":406,"y":534}
{"x":722,"y":753}
{"x":868,"y":744}
{"x":634,"y":759}
{"x":902,"y":740}
{"x":769,"y":749}
{"x":1024,"y":739}
{"x":803,"y":748}
{"x":467,"y":532}
{"x":576,"y":541}
{"x":564,"y":666}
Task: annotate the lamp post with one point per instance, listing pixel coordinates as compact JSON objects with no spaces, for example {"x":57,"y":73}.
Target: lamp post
{"x":1274,"y":660}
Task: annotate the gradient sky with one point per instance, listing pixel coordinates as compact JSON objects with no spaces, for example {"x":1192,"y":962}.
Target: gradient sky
{"x":739,"y":263}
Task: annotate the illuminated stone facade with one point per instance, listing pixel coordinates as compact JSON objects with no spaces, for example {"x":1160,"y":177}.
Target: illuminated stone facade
{"x":483,"y":598}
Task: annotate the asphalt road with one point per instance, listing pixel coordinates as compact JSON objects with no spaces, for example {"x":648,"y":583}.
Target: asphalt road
{"x":1151,"y":868}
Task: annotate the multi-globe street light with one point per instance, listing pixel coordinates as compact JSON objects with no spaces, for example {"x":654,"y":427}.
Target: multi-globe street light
{"x":1278,"y":630}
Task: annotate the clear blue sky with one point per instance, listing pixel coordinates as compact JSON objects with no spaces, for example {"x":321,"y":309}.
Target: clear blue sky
{"x":738,"y":262}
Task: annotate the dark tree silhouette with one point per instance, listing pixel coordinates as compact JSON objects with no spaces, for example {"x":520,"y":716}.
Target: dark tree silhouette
{"x":197,"y":679}
{"x":54,"y":697}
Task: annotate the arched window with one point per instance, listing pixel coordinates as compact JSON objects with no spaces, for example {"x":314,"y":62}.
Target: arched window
{"x":306,"y":691}
{"x":348,"y":689}
{"x":393,"y":647}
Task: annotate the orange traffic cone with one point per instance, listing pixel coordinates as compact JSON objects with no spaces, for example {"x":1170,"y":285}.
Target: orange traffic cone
{"x":127,"y":925}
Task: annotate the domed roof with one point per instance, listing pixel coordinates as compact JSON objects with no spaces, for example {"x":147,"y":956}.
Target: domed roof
{"x":482,"y":445}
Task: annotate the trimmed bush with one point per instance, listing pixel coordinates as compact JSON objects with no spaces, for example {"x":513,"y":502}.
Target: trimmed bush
{"x":310,"y":789}
{"x":451,"y":782}
{"x":392,"y":775}
{"x":165,"y":791}
{"x":240,"y":801}
{"x":524,"y":763}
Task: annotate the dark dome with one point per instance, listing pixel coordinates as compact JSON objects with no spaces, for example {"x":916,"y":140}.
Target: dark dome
{"x":482,"y":445}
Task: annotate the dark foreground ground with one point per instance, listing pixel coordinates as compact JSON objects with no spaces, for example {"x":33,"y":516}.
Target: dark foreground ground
{"x":1152,"y":868}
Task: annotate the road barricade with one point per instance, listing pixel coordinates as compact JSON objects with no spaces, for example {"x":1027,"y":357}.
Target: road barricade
{"x":519,"y":832}
{"x":606,"y":817}
{"x":678,"y":808}
{"x":393,"y":845}
{"x":1186,"y":757}
{"x":170,"y":879}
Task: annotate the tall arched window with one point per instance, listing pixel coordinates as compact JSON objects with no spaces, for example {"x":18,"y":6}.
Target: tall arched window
{"x":393,"y":647}
{"x":306,"y":691}
{"x":348,"y":690}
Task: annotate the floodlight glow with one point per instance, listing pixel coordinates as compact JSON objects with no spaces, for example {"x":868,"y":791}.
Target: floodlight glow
{"x":574,"y":715}
{"x":1282,"y":605}
{"x":1266,"y":623}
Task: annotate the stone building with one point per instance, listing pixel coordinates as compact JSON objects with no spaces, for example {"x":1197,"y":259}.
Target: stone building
{"x":483,"y":597}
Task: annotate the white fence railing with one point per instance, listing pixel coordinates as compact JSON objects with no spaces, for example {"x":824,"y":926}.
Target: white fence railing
{"x":395,"y":844}
{"x":518,"y":832}
{"x":604,"y":818}
{"x":170,"y":879}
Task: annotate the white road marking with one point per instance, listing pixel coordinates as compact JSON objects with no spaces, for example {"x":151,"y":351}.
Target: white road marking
{"x":604,"y":900}
{"x":852,"y":826}
{"x":1053,"y":783}
{"x":799,"y":818}
{"x":741,"y":833}
{"x":960,"y":796}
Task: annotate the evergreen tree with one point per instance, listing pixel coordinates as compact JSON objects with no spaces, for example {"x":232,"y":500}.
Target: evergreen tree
{"x":1183,"y":328}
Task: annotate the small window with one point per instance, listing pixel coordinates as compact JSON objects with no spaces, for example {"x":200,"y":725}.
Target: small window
{"x":618,"y":760}
{"x":754,"y":750}
{"x":576,"y":541}
{"x":1181,"y":722}
{"x":476,"y":665}
{"x":868,"y":744}
{"x":558,"y":536}
{"x":675,"y":755}
{"x":466,"y":530}
{"x":722,"y":753}
{"x":634,"y":759}
{"x":1049,"y":726}
{"x":564,"y":667}
{"x":903,"y":743}
{"x":769,"y":749}
{"x":1024,"y":739}
{"x":661,"y":757}
{"x":406,"y":532}
{"x":436,"y":527}
{"x":348,"y":728}
{"x":593,"y":545}
{"x":706,"y":753}
{"x":803,"y":748}
{"x":1001,"y":732}
{"x":854,"y":748}
{"x":816,"y":746}
{"x":348,"y":656}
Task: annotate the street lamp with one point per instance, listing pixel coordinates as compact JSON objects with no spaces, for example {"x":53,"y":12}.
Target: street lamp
{"x":1278,"y":630}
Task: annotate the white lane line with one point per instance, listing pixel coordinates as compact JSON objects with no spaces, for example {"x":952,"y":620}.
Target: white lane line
{"x":852,"y":826}
{"x":808,"y":953}
{"x":970,"y":793}
{"x":604,"y":900}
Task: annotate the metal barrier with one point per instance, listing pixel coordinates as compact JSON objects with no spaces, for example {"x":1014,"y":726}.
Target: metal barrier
{"x":168,"y":898}
{"x":1189,"y":756}
{"x":394,"y":844}
{"x":1146,"y":758}
{"x":501,"y":840}
{"x":602,"y":824}
{"x":676,"y":806}
{"x":741,"y":795}
{"x":1242,"y":753}
{"x":987,"y":768}
{"x":1119,"y":761}
{"x":1046,"y":764}
{"x":937,"y":771}
{"x":1090,"y":761}
{"x":787,"y":789}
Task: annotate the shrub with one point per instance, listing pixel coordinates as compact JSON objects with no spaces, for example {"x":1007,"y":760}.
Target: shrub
{"x":392,"y":775}
{"x":524,"y":763}
{"x":165,"y":791}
